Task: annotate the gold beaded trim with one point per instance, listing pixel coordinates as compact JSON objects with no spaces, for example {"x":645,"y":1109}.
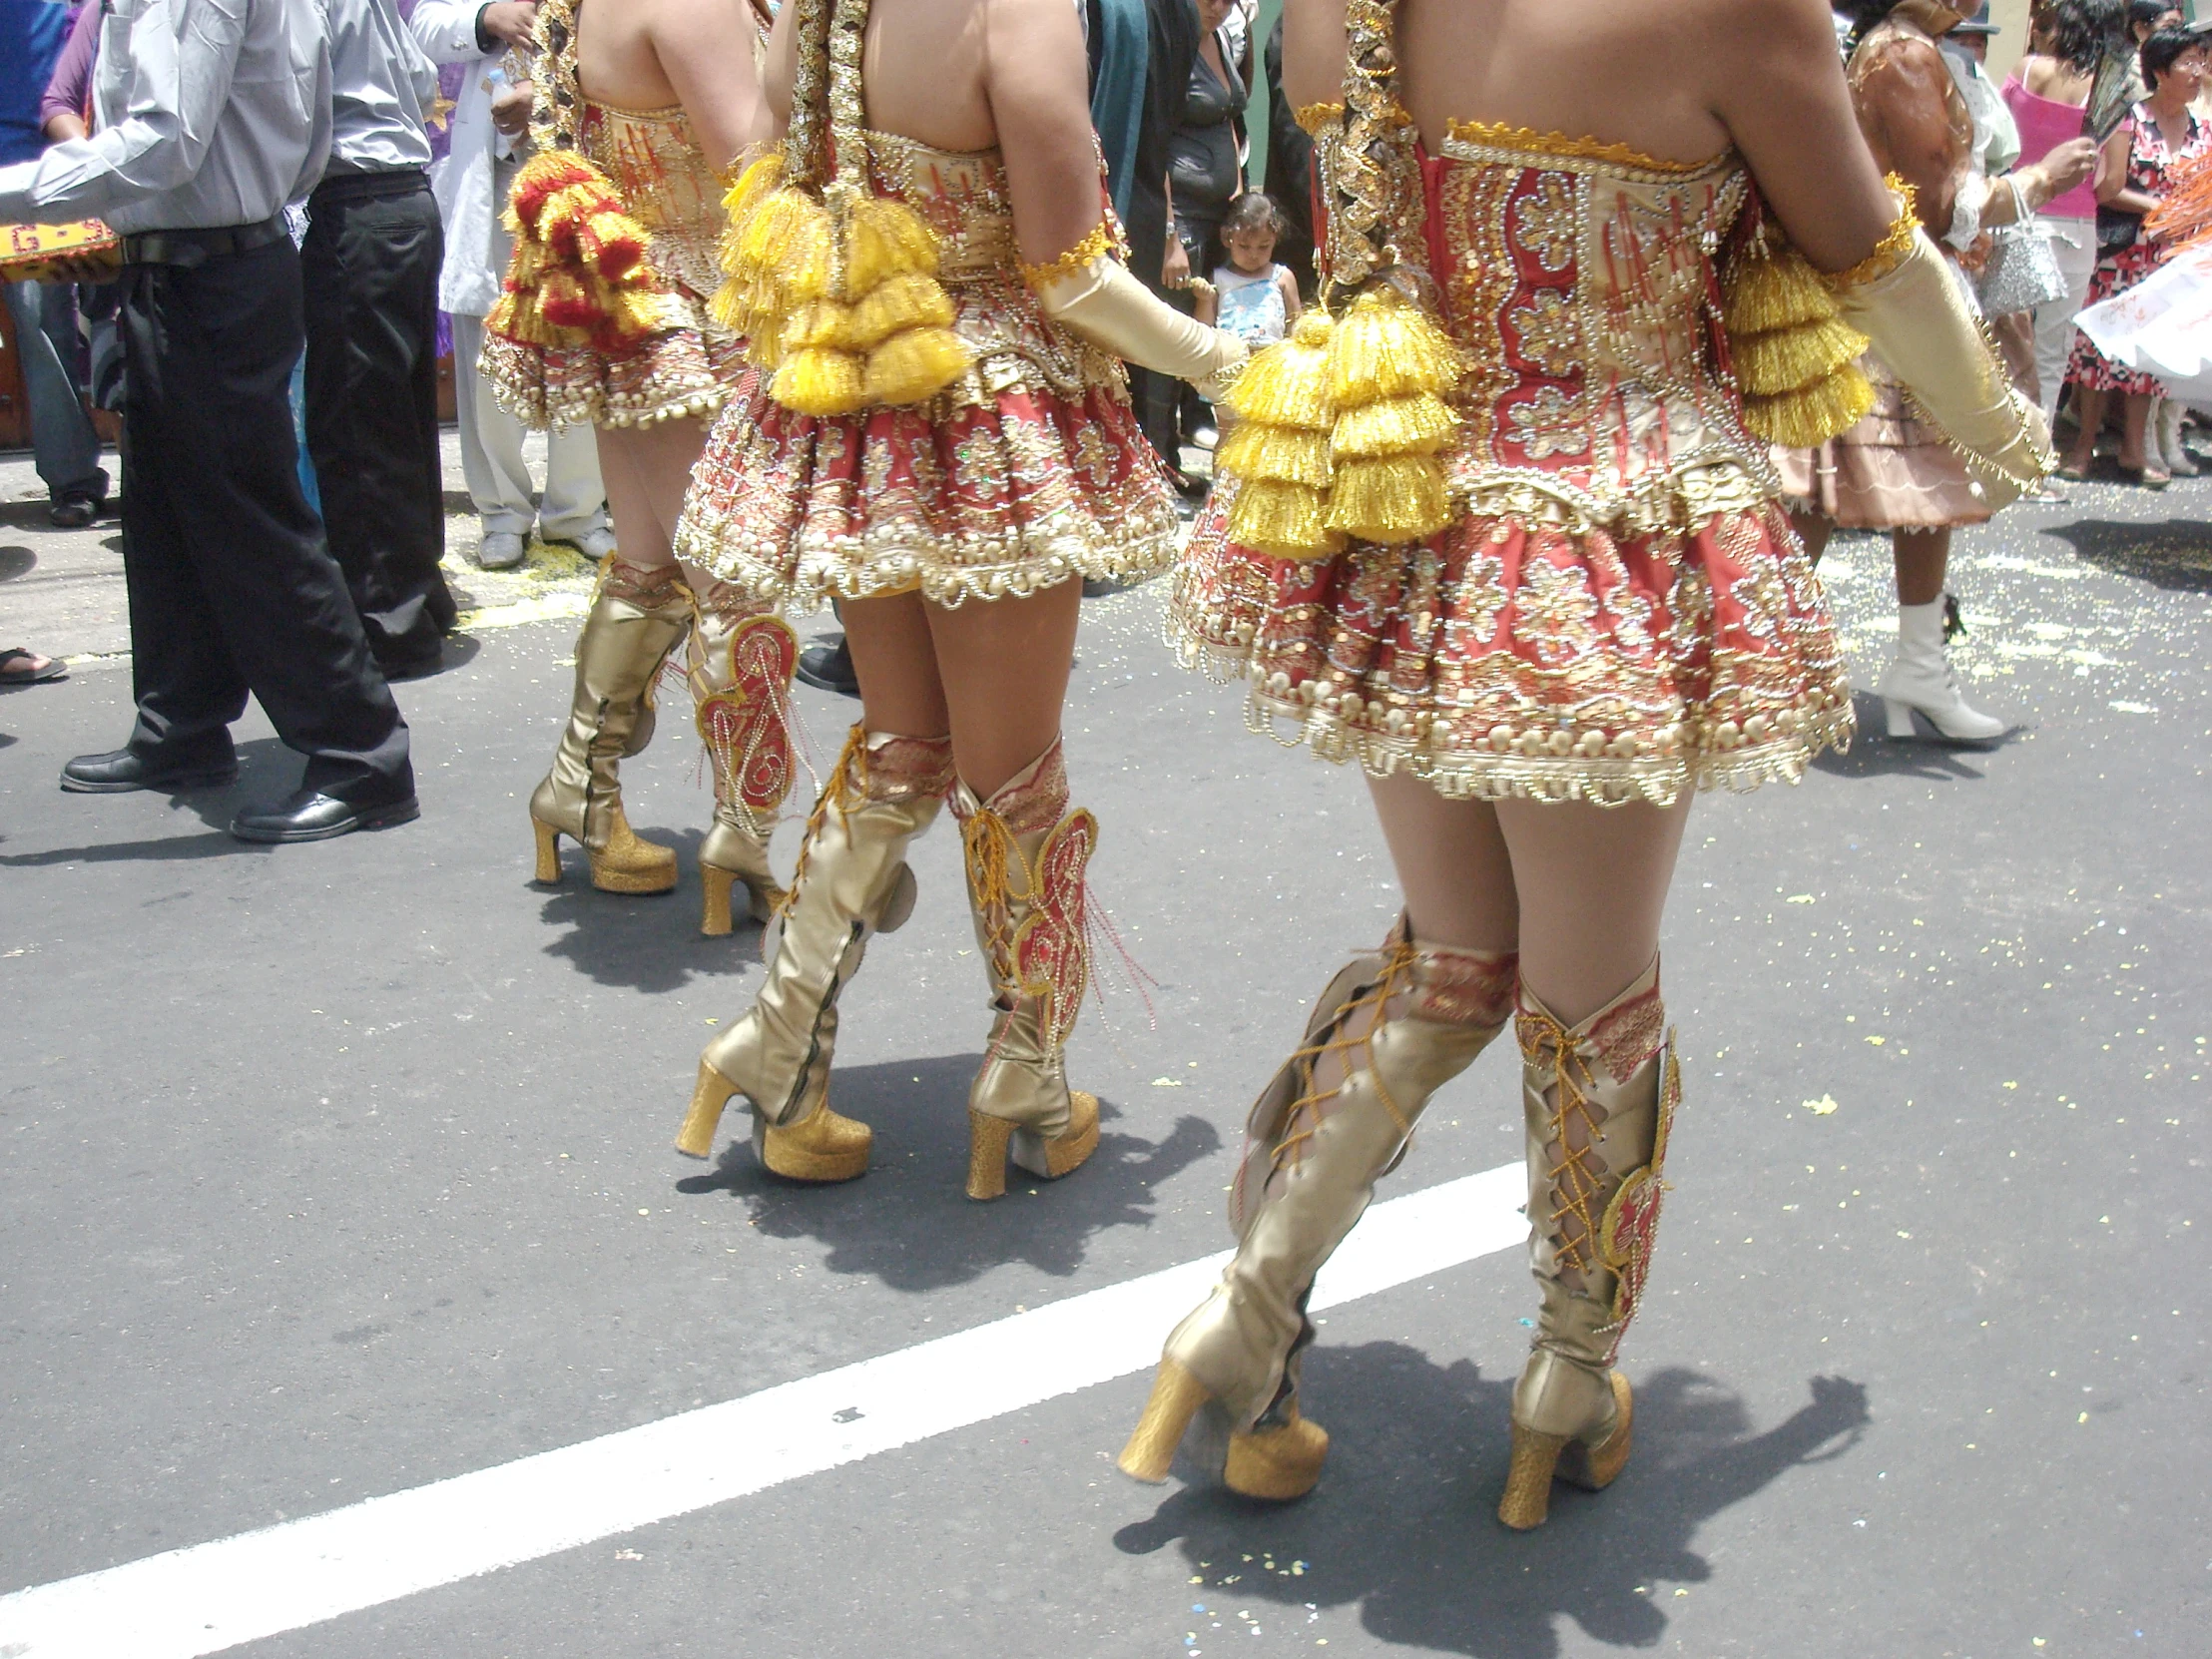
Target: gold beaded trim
{"x":1890,"y":252}
{"x":1096,"y":246}
{"x":1314,"y":117}
{"x":1503,"y":135}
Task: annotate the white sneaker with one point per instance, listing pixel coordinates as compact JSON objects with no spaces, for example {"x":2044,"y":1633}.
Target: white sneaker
{"x":499,"y":550}
{"x":2171,"y":449}
{"x":1921,"y":679}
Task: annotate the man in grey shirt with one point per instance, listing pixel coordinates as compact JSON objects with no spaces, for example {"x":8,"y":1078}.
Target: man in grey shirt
{"x":211,"y":116}
{"x":370,"y":268}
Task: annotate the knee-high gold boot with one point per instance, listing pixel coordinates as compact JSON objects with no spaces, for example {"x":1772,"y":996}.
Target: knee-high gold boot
{"x":741,"y":660}
{"x":636,"y":619}
{"x":1026,"y":855}
{"x":1391,"y":1029}
{"x":1596,"y":1100}
{"x":851,"y":883}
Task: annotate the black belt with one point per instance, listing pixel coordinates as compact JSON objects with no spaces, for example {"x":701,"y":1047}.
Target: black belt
{"x":366,"y":187}
{"x":197,"y":248}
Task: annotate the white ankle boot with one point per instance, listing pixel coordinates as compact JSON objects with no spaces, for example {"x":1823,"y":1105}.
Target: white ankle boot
{"x":2170,"y":447}
{"x":1920,"y":677}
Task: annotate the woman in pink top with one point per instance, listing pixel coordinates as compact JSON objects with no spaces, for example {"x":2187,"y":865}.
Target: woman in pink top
{"x":2047,"y":95}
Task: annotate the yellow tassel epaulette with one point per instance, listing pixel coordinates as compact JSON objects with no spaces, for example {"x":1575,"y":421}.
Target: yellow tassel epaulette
{"x":838,"y":296}
{"x":1279,"y":449}
{"x":578,"y":274}
{"x":1796,"y":360}
{"x":1389,"y":366}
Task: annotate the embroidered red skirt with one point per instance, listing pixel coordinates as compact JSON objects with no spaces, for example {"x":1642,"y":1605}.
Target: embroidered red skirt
{"x":1507,"y":657}
{"x":982,"y":495}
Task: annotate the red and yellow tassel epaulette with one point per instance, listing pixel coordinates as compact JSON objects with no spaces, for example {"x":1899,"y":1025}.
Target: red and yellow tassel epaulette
{"x":579,"y":275}
{"x":1796,"y":360}
{"x":838,"y":294}
{"x":1341,"y":430}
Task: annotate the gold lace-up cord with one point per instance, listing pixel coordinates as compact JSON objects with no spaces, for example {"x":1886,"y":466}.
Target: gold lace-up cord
{"x":1309,"y":1103}
{"x":1575,"y":1187}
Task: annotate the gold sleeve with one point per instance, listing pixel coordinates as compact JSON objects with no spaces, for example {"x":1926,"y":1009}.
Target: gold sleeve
{"x":1907,"y":303}
{"x":1101,"y":302}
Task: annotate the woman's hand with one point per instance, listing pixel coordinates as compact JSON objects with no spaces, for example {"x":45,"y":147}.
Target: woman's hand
{"x":2065,"y":164}
{"x":1174,"y":266}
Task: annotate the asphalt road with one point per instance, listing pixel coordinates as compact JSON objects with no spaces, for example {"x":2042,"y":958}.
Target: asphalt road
{"x":332,"y":1171}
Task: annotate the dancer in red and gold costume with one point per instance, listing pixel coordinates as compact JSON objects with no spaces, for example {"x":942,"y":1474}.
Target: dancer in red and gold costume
{"x":1505,"y":532}
{"x":605,"y":320}
{"x":939,"y":439}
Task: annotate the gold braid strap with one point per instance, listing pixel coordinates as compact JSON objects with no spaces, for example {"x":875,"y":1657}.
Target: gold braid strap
{"x":834,"y":287}
{"x":1890,"y":252}
{"x":1341,"y":428}
{"x":1098,"y":245}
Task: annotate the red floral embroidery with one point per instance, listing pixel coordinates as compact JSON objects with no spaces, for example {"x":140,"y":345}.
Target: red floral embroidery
{"x":1051,"y":958}
{"x":1631,"y":1227}
{"x":747,"y":727}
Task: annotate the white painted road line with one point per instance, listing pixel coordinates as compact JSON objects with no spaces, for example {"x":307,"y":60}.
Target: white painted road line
{"x":216,"y":1595}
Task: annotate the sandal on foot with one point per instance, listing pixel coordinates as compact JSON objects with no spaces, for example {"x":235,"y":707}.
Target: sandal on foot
{"x":19,"y":666}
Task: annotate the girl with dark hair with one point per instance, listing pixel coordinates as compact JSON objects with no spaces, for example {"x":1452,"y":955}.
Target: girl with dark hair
{"x":2134,"y":169}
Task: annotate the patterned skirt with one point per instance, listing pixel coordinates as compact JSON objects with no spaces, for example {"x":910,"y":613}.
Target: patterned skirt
{"x":687,"y":369}
{"x":1505,"y":658}
{"x":981,"y":494}
{"x":2115,"y":274}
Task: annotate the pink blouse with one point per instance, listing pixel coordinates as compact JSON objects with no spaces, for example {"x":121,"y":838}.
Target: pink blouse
{"x":2045,"y":124}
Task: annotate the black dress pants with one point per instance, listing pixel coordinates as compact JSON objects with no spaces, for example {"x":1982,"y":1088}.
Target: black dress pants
{"x":370,"y":268}
{"x":231,"y":588}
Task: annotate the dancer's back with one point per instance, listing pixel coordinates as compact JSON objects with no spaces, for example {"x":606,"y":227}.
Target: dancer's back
{"x":1678,"y":80}
{"x":978,"y":75}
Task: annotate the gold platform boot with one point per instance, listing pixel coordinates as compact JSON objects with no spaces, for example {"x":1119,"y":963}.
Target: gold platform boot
{"x":851,"y":883}
{"x":1026,"y":855}
{"x":741,"y":660}
{"x":1596,"y":1100}
{"x":636,"y":619}
{"x":1391,"y":1028}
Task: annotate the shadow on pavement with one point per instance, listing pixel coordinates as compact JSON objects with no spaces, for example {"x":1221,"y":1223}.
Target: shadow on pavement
{"x":909,"y":1222}
{"x":2175,"y":555}
{"x":261,"y":763}
{"x":1874,"y":755}
{"x":1403,"y":1523}
{"x":16,"y":561}
{"x":644,"y":943}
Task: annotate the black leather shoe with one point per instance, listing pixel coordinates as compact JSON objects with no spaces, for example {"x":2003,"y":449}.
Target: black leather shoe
{"x":122,"y":769}
{"x":311,"y":816}
{"x":830,"y":668}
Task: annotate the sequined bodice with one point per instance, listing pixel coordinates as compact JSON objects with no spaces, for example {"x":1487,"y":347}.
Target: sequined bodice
{"x":657,"y":164}
{"x":1579,"y":280}
{"x":961,"y":194}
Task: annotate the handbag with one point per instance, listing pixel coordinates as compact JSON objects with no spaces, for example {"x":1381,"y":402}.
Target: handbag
{"x":2022,"y":272}
{"x":2117,"y":229}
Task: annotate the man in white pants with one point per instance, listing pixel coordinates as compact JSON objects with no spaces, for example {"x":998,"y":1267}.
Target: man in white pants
{"x":472,"y":182}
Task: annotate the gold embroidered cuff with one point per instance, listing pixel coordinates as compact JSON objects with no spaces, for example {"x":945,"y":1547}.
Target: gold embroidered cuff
{"x":1314,"y":118}
{"x":1097,"y":244}
{"x":1890,"y":252}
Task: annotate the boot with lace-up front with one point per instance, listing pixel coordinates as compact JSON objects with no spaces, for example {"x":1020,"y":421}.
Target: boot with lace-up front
{"x":1391,"y":1030}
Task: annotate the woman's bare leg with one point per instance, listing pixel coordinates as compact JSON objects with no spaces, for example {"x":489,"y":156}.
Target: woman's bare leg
{"x":1814,"y":531}
{"x":1922,"y":557}
{"x":1592,"y":883}
{"x":2089,"y":411}
{"x":896,"y":662}
{"x":1004,"y":669}
{"x":2134,"y":421}
{"x":646,"y":469}
{"x":1452,"y":865}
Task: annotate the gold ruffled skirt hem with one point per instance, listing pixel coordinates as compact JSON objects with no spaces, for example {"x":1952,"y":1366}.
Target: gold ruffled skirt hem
{"x":1506,"y":660}
{"x":680,"y":373}
{"x":990,"y":495}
